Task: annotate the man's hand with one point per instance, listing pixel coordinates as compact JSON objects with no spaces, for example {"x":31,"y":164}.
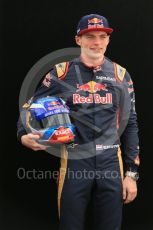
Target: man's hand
{"x":129,"y":189}
{"x":30,"y":141}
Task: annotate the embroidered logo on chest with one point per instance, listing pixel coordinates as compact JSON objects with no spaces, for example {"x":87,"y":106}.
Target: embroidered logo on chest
{"x":92,"y":87}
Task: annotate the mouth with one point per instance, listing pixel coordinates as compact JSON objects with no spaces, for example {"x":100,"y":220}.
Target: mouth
{"x":97,"y":50}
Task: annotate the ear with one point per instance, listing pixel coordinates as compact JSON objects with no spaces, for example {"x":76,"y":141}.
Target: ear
{"x":78,"y":40}
{"x":108,"y":40}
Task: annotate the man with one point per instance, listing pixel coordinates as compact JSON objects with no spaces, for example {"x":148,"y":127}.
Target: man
{"x":100,"y":95}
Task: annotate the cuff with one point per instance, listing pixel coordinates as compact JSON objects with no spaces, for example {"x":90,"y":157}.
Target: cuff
{"x":20,"y":134}
{"x":131,"y":167}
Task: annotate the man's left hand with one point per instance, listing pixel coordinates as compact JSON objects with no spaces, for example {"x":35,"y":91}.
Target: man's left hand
{"x":129,"y":189}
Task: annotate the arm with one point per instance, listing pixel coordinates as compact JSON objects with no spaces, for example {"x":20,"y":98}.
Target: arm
{"x":129,"y":137}
{"x":48,"y":87}
{"x":130,"y":144}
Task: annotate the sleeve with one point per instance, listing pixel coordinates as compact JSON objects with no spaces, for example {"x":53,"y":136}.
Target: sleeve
{"x":49,"y":86}
{"x":129,"y":137}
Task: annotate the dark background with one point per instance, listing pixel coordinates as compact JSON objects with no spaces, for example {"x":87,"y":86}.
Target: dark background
{"x":31,"y":30}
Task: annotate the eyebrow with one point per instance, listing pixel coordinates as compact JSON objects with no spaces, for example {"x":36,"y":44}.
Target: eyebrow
{"x":90,"y":34}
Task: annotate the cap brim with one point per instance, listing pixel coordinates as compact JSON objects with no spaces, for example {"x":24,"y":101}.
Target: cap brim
{"x":107,"y":30}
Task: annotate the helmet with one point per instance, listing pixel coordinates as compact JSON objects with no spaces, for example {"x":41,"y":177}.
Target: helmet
{"x":49,"y":117}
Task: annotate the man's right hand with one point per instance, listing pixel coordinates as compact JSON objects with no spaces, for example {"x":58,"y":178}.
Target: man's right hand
{"x":30,"y":141}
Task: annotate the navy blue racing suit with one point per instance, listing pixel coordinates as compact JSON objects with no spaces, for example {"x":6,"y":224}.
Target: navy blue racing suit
{"x":102,"y":104}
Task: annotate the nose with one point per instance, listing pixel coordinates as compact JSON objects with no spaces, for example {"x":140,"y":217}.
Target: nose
{"x":97,"y":41}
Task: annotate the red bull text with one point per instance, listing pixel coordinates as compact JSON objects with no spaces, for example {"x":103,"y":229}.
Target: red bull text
{"x":92,"y":98}
{"x":92,"y":87}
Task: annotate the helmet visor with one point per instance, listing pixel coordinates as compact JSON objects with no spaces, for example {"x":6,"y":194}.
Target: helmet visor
{"x":56,"y":120}
{"x":51,"y":121}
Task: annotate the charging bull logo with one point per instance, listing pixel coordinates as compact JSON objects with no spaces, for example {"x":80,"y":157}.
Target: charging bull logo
{"x":54,"y":103}
{"x":92,"y":87}
{"x":95,"y":22}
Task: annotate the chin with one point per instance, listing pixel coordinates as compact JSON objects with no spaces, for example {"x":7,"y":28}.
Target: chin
{"x":96,"y":55}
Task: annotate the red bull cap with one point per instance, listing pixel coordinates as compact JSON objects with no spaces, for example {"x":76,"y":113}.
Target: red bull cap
{"x":93,"y":22}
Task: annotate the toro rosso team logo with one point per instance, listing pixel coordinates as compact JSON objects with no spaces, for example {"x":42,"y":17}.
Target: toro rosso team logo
{"x":95,"y":22}
{"x":92,"y":87}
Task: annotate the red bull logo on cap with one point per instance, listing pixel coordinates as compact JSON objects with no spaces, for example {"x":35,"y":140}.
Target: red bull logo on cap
{"x":95,"y":22}
{"x":92,"y":87}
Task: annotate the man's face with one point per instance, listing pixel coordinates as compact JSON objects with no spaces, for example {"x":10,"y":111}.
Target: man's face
{"x":93,"y":44}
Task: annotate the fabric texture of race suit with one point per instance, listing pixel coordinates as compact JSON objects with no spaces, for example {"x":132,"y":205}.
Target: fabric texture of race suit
{"x":102,"y":104}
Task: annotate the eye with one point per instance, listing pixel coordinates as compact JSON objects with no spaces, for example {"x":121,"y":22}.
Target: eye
{"x":104,"y":36}
{"x":89,"y":36}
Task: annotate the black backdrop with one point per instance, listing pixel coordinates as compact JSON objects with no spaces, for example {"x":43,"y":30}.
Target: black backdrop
{"x":32,"y":29}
